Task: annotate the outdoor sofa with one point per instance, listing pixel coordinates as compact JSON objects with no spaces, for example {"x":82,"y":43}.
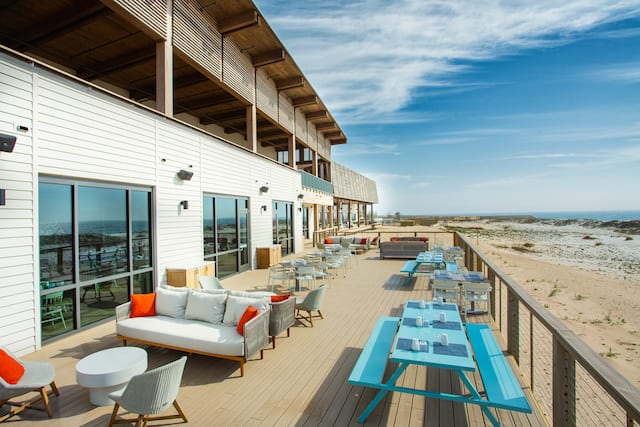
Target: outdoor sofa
{"x":358,"y":243}
{"x":206,"y":322}
{"x":403,"y":247}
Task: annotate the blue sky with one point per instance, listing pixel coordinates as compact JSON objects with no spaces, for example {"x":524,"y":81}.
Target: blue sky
{"x":477,"y":106}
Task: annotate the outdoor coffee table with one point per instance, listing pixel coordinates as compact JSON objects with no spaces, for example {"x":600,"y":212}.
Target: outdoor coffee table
{"x":110,"y":370}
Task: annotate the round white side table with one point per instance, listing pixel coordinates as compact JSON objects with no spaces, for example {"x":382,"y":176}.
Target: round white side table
{"x":110,"y":370}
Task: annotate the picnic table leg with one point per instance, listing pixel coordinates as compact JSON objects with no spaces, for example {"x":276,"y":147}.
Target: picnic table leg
{"x":475,"y":394}
{"x":382,"y":393}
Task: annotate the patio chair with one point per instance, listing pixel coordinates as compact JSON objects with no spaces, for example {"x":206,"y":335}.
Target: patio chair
{"x":283,"y":275}
{"x":150,"y":393}
{"x":447,"y":290}
{"x":310,"y":303}
{"x":305,"y":274}
{"x":210,"y":282}
{"x":37,"y":375}
{"x":335,"y":262}
{"x":473,"y":293}
{"x":52,"y":309}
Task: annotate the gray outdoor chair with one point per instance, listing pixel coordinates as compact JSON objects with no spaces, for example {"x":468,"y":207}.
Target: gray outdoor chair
{"x":310,"y":303}
{"x":150,"y":393}
{"x":210,"y":282}
{"x":37,"y":375}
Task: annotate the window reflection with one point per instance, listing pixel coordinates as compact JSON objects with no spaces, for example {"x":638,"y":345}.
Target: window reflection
{"x":226,"y":233}
{"x":141,"y":229}
{"x":226,"y":224}
{"x":102,"y":229}
{"x":56,"y":238}
{"x":283,"y":226}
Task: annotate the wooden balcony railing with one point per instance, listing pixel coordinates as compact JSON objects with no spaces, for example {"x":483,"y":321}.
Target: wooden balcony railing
{"x":572,"y":383}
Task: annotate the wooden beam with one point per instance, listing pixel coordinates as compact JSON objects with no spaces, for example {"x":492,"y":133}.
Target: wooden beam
{"x":338,"y":141}
{"x":305,"y":100}
{"x":290,"y":83}
{"x":239,"y":22}
{"x":116,"y":64}
{"x":333,"y":134}
{"x":224,"y":117}
{"x":276,"y":133}
{"x":326,"y":125}
{"x":146,"y":91}
{"x":269,"y":57}
{"x":164,"y":77}
{"x":56,"y":26}
{"x":204,"y":102}
{"x":317,"y":115}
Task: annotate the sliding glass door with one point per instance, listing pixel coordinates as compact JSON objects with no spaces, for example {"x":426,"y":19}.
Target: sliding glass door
{"x":283,"y":226}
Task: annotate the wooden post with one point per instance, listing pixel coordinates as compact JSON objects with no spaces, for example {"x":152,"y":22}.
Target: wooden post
{"x":513,"y":325}
{"x":164,"y":77}
{"x":292,"y":151}
{"x":564,"y":386}
{"x":252,"y":128}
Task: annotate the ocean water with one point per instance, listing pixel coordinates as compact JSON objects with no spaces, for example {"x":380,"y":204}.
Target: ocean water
{"x":579,"y":215}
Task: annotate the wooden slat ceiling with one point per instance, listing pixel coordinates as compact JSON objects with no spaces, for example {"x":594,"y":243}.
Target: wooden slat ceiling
{"x":95,"y":43}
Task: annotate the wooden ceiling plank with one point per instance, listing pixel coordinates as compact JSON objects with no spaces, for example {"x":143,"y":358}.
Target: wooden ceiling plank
{"x":228,"y":116}
{"x":178,"y":83}
{"x":202,"y":103}
{"x":59,"y":25}
{"x":239,"y":22}
{"x":127,"y":60}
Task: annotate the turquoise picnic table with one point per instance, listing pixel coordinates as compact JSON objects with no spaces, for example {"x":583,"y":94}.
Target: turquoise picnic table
{"x":413,"y":267}
{"x":411,"y":343}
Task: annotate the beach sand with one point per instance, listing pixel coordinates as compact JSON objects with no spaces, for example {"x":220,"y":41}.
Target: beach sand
{"x":587,"y":277}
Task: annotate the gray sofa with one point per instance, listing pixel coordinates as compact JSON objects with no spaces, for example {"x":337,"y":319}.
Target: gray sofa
{"x":352,"y":242}
{"x":403,"y":247}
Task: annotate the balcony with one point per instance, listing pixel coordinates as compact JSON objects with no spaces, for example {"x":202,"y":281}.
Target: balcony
{"x":304,"y":380}
{"x":314,"y":183}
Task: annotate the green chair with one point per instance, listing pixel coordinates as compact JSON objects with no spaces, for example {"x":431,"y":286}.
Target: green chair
{"x":310,"y":303}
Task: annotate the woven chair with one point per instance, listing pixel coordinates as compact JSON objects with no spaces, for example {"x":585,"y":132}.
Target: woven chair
{"x":150,"y":393}
{"x":310,"y":303}
{"x":37,"y":375}
{"x":210,"y":282}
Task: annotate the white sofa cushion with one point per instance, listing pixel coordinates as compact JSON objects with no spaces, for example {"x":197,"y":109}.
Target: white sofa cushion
{"x":182,"y":333}
{"x":206,"y":307}
{"x":236,"y":306}
{"x":170,"y":302}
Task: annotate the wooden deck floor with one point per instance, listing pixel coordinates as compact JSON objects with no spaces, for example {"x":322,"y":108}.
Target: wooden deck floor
{"x":303,"y":382}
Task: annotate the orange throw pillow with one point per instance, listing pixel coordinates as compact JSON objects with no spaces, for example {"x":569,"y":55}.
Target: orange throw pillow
{"x":143,"y":305}
{"x":327,"y":241}
{"x":394,"y":239}
{"x":10,"y":369}
{"x":279,"y":298}
{"x":249,"y":314}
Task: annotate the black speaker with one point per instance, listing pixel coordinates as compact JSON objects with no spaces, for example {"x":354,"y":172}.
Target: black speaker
{"x":7,"y":142}
{"x":185,"y":175}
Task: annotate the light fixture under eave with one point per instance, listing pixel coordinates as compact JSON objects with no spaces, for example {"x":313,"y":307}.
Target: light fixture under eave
{"x":185,"y":175}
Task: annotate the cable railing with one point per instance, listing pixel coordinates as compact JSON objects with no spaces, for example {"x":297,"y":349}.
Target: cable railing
{"x":572,"y":384}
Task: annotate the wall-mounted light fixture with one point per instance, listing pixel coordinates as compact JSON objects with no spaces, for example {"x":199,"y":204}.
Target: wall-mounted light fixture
{"x":185,"y":175}
{"x":300,"y":196}
{"x":263,"y":208}
{"x":7,"y":142}
{"x":264,"y":189}
{"x":184,"y":204}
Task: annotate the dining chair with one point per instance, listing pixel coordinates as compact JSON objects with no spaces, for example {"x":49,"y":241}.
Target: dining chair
{"x":473,"y":293}
{"x":305,"y":273}
{"x":336,"y":262}
{"x":310,"y":303}
{"x":447,"y":290}
{"x":279,"y":275}
{"x":36,"y":377}
{"x":52,"y":309}
{"x":149,"y":394}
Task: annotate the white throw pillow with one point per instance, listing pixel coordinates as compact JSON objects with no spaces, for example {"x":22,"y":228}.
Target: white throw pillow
{"x":171,"y":302}
{"x":206,"y":307}
{"x":236,"y":307}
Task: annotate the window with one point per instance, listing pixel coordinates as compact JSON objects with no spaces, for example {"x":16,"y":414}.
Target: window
{"x":226,"y":233}
{"x":95,"y":250}
{"x":283,"y":226}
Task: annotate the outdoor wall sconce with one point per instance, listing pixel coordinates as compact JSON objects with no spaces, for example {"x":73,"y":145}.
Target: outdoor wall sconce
{"x":300,"y":196}
{"x":184,"y":204}
{"x":264,"y":188}
{"x":185,"y":175}
{"x":7,"y":142}
{"x":263,"y":208}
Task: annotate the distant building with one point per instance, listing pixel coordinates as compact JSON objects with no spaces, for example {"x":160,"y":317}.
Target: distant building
{"x":149,"y":142}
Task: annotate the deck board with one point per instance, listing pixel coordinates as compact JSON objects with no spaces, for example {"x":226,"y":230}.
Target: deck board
{"x":302,"y":382}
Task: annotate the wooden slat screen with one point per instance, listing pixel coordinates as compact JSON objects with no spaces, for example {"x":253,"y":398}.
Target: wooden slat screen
{"x":285,"y":111}
{"x":301,"y":126}
{"x":195,"y":34}
{"x":237,"y":70}
{"x":324,"y":147}
{"x":153,"y":14}
{"x":266,"y":95}
{"x":312,"y":139}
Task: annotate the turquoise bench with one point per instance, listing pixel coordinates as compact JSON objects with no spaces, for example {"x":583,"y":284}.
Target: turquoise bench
{"x":500,"y":383}
{"x":452,"y":267}
{"x":410,"y":268}
{"x":372,"y":362}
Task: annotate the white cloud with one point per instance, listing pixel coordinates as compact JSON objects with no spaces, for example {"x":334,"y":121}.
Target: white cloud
{"x":367,"y":58}
{"x":625,"y":73}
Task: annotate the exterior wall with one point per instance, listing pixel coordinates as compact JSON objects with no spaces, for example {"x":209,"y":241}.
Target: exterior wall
{"x":79,"y":132}
{"x":17,"y":218}
{"x":349,"y":184}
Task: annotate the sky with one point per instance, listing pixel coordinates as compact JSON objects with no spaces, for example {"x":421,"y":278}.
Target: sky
{"x":477,"y":106}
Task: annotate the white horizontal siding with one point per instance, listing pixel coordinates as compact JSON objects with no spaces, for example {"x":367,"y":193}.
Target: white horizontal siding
{"x":17,"y":246}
